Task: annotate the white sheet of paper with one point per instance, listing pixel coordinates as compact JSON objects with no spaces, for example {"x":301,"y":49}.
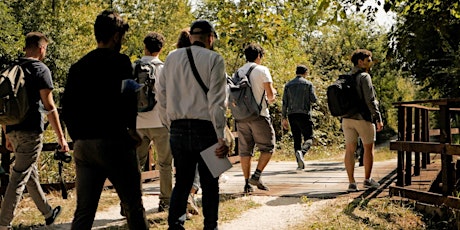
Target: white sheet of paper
{"x":215,"y":164}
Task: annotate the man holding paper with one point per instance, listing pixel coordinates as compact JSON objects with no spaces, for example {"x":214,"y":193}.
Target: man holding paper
{"x":192,"y":106}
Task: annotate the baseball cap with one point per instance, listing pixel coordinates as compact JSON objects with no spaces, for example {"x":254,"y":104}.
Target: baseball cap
{"x":202,"y":26}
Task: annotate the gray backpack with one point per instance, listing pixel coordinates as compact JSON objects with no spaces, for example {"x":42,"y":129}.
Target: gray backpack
{"x":144,"y":74}
{"x":241,"y":101}
{"x":14,"y":102}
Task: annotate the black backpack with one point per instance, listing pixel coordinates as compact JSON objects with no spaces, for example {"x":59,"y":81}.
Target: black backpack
{"x":144,"y":74}
{"x":342,"y":97}
{"x":241,"y":101}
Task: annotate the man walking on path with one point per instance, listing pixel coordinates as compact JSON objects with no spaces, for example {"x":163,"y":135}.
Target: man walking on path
{"x":192,"y":104}
{"x":149,"y":125}
{"x":25,"y":139}
{"x":298,"y":96}
{"x":258,"y":132}
{"x":100,"y":89}
{"x":361,"y":124}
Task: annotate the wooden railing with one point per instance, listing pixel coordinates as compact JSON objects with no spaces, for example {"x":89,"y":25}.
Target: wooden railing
{"x":417,"y":140}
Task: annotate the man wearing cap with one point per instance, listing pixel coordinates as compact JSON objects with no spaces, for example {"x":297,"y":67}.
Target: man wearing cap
{"x":298,"y":96}
{"x":195,"y":116}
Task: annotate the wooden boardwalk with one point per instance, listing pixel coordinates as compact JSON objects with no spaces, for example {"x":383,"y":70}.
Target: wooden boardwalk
{"x":319,"y":179}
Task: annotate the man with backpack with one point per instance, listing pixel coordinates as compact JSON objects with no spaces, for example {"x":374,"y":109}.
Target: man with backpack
{"x":298,"y":96}
{"x":258,"y":132}
{"x":99,"y":90}
{"x":25,"y":139}
{"x":148,"y":124}
{"x":361,"y":124}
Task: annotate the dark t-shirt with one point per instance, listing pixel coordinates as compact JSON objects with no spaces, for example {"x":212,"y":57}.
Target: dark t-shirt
{"x":93,"y":106}
{"x":37,"y":77}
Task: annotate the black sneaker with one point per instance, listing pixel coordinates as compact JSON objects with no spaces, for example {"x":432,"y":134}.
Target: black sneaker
{"x":56,"y":211}
{"x":258,"y":183}
{"x":248,"y":188}
{"x":162,"y":206}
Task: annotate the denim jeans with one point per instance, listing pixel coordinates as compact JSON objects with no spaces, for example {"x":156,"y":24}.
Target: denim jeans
{"x":27,"y":146}
{"x":115,"y":159}
{"x":188,"y":138}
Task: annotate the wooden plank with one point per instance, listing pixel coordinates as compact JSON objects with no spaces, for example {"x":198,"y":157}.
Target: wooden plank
{"x":425,"y":197}
{"x":437,"y":132}
{"x":452,"y":149}
{"x":416,"y":146}
{"x":154,"y":174}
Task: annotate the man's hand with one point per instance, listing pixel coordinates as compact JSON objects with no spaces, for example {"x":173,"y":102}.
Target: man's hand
{"x":285,"y":123}
{"x":379,"y":126}
{"x":222,"y":149}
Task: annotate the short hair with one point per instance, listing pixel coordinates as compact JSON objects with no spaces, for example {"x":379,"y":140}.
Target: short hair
{"x":360,"y":54}
{"x":35,"y":40}
{"x":184,"y":38}
{"x":107,"y":24}
{"x":154,"y":42}
{"x":252,"y":51}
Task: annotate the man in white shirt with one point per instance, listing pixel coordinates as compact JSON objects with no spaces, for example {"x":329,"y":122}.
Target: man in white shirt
{"x":150,"y":128}
{"x":195,"y":115}
{"x":258,"y":132}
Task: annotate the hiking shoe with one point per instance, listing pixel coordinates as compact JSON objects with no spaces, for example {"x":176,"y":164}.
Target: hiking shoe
{"x":299,"y":159}
{"x":56,"y":211}
{"x":371,"y":183}
{"x":162,"y":206}
{"x":191,"y":206}
{"x":248,"y":188}
{"x":258,"y":183}
{"x":352,"y":187}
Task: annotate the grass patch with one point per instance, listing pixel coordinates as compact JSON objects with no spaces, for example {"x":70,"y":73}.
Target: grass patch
{"x":378,"y":213}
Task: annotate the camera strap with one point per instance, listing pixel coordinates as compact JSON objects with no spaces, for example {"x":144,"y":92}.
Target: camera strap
{"x":62,"y":183}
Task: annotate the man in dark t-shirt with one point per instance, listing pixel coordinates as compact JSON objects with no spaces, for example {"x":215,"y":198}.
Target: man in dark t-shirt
{"x":25,"y":139}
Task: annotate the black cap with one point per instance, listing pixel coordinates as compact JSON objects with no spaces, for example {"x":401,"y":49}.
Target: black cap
{"x":301,"y":69}
{"x":202,"y":26}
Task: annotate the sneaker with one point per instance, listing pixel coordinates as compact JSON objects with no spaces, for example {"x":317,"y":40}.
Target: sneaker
{"x":352,"y":187}
{"x":191,"y":206}
{"x":56,"y":211}
{"x":258,"y":183}
{"x":299,"y":159}
{"x":248,"y":188}
{"x":162,"y":206}
{"x":306,"y":145}
{"x":371,"y":183}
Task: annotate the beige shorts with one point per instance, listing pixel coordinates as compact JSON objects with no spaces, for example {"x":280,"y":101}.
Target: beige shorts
{"x":352,"y":129}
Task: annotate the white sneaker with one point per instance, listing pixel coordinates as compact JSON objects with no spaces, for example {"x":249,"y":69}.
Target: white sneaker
{"x":371,"y":183}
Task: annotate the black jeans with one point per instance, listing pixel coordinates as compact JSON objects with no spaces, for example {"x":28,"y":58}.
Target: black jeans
{"x":188,"y":138}
{"x":301,"y":125}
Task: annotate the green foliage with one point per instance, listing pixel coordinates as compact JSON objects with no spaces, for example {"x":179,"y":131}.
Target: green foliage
{"x":11,"y":38}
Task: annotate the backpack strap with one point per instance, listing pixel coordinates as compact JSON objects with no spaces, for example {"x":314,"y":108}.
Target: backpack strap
{"x":249,"y":79}
{"x":195,"y":71}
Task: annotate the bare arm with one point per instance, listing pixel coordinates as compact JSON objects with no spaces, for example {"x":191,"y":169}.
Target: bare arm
{"x":46,"y":97}
{"x":271,"y":92}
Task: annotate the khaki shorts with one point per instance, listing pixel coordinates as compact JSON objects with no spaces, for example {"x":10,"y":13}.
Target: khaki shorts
{"x":352,"y":129}
{"x":258,"y":133}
